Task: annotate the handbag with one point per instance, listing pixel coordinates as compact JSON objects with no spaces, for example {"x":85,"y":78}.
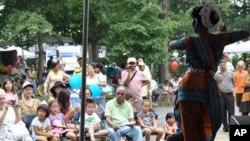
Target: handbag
{"x":106,"y":90}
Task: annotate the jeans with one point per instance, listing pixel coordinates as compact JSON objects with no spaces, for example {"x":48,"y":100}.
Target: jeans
{"x":155,"y":96}
{"x":133,"y":132}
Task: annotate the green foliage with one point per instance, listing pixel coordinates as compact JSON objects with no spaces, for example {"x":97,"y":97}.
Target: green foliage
{"x":136,"y":31}
{"x":25,"y":28}
{"x":127,"y":28}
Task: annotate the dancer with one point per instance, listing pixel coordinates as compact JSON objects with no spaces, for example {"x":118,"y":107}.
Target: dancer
{"x":197,"y":109}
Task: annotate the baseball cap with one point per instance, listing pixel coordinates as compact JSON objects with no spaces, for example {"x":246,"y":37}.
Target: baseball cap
{"x":26,"y":84}
{"x":131,"y":59}
{"x":113,"y":65}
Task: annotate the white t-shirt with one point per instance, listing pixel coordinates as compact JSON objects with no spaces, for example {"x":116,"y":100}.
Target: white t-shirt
{"x":90,"y":80}
{"x":176,"y":83}
{"x":154,"y":85}
{"x":42,"y":126}
{"x":101,"y":77}
{"x":91,"y":119}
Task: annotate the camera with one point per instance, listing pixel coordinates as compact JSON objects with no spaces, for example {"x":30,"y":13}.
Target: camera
{"x":12,"y":102}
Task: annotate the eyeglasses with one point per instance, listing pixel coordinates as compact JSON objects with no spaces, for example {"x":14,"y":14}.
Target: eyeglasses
{"x":118,"y":93}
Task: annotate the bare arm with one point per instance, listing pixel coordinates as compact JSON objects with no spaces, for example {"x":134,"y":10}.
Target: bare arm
{"x":127,"y":81}
{"x":3,"y":115}
{"x":167,"y":130}
{"x":141,"y":123}
{"x":154,"y":122}
{"x":46,"y":84}
{"x":17,"y":110}
{"x":70,"y":114}
{"x":66,"y":76}
{"x":40,"y":133}
{"x":110,"y":123}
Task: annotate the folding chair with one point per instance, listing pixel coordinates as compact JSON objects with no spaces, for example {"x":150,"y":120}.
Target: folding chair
{"x":163,"y":99}
{"x":27,"y":119}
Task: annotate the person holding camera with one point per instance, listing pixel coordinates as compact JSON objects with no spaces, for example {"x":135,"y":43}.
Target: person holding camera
{"x":133,"y":81}
{"x":10,"y":121}
{"x":11,"y":96}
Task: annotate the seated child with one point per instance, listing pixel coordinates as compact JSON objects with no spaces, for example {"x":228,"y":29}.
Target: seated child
{"x":41,"y":125}
{"x":131,"y":100}
{"x":147,"y":121}
{"x":170,"y":125}
{"x":57,"y":122}
{"x":92,"y":121}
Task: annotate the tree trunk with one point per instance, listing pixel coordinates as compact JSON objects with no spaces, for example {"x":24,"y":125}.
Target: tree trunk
{"x":163,"y":72}
{"x":164,"y":5}
{"x":93,"y":52}
{"x":41,"y":59}
{"x":90,"y":53}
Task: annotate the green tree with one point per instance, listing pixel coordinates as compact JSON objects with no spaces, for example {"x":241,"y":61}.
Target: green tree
{"x":25,"y":28}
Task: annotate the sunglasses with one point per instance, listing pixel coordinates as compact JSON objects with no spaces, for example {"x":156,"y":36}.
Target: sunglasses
{"x":131,"y":63}
{"x":120,"y":93}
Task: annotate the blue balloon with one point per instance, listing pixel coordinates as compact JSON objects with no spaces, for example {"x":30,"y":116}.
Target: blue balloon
{"x":95,"y":90}
{"x":75,"y":81}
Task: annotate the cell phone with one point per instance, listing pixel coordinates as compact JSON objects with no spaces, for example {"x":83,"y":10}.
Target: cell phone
{"x":12,"y":102}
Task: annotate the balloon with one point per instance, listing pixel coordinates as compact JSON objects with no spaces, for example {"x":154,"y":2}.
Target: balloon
{"x":75,"y":81}
{"x":95,"y":90}
{"x":174,"y":65}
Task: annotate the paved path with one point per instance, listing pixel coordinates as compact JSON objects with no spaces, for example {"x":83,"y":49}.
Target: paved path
{"x":162,"y":110}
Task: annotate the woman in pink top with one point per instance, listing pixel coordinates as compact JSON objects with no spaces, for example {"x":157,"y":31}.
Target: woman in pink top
{"x":11,"y":95}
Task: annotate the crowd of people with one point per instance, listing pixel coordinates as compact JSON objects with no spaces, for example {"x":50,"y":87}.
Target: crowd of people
{"x":57,"y":115}
{"x":199,"y":107}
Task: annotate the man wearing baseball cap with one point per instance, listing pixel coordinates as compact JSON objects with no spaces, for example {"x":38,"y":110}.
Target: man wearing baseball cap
{"x":134,"y":80}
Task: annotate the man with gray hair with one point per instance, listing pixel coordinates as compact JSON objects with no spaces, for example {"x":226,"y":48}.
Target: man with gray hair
{"x":120,"y":117}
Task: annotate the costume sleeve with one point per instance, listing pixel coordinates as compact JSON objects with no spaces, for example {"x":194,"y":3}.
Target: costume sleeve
{"x":235,"y":36}
{"x":183,"y":43}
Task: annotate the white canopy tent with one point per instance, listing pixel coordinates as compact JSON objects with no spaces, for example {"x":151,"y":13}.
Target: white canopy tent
{"x":238,"y":47}
{"x":26,"y":54}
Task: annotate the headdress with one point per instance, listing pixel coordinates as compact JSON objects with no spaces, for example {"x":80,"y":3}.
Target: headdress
{"x":210,"y":15}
